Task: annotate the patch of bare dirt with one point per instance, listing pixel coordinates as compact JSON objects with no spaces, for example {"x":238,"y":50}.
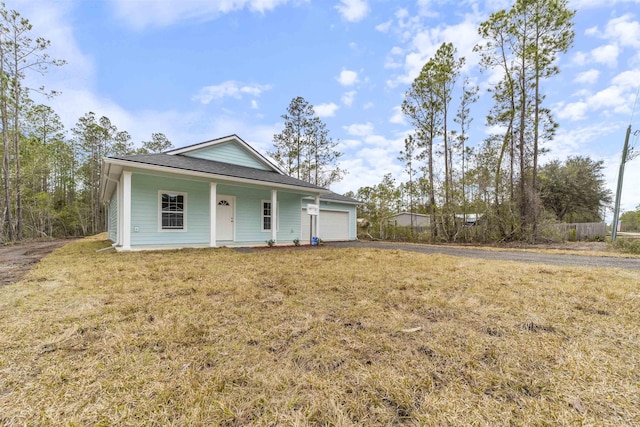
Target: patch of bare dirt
{"x":17,"y":259}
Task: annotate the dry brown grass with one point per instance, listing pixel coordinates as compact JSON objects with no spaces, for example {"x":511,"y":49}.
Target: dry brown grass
{"x":316,"y":337}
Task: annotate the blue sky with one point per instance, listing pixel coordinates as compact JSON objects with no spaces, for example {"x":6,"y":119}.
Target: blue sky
{"x":200,"y":69}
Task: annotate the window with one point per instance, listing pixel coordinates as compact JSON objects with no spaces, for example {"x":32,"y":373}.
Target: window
{"x":173,"y":207}
{"x":267,"y":216}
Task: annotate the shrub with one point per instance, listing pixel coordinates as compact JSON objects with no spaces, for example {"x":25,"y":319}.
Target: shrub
{"x":629,"y":246}
{"x":296,"y":242}
{"x":271,"y":242}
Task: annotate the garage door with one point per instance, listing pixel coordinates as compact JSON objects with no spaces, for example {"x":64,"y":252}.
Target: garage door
{"x":334,"y":225}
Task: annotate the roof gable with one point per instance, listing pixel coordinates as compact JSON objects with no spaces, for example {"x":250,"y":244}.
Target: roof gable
{"x":229,"y":149}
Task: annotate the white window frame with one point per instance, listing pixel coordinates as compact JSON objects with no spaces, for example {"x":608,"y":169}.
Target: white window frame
{"x":262,"y":216}
{"x":184,"y":212}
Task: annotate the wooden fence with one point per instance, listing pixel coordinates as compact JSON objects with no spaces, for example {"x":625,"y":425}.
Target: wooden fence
{"x":583,"y":230}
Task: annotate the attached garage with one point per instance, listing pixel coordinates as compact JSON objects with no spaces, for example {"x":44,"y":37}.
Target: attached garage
{"x":334,"y":225}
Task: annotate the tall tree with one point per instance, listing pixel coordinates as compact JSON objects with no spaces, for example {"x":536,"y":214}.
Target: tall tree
{"x":463,"y":119}
{"x":323,"y":156}
{"x":420,"y":105}
{"x":446,"y":70}
{"x":289,"y":144}
{"x":576,"y":190}
{"x":19,"y":55}
{"x":630,"y":220}
{"x":96,"y":139}
{"x":407,"y":156}
{"x":525,"y":42}
{"x":159,"y":143}
{"x":304,"y":149}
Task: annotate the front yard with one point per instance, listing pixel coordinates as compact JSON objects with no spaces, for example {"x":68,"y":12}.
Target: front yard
{"x":316,"y":337}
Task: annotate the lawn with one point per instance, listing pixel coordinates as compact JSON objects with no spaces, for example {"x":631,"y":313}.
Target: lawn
{"x":316,"y":337}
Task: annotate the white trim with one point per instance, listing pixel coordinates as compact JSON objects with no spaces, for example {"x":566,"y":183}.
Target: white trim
{"x":333,"y":201}
{"x":184,"y":212}
{"x":217,"y":177}
{"x":213,"y":210}
{"x":120,"y":212}
{"x":317,"y":221}
{"x":233,"y":218}
{"x":262,"y":202}
{"x":126,"y":210}
{"x":274,"y":215}
{"x":328,"y":209}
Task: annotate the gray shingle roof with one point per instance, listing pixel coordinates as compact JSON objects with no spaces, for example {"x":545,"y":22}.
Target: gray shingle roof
{"x":214,"y":167}
{"x":194,"y":164}
{"x":335,"y":197}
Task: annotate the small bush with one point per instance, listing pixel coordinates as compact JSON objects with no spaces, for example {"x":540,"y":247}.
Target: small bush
{"x":271,"y":242}
{"x":629,"y":246}
{"x":296,"y":242}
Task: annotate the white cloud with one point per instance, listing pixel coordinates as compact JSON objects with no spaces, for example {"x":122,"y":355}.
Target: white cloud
{"x":384,"y":27}
{"x":163,"y":13}
{"x":326,"y":110}
{"x":395,"y":58}
{"x":230,"y":88}
{"x":398,"y":116}
{"x":348,"y":144}
{"x":359,"y":129}
{"x":629,"y":78}
{"x":353,"y":10}
{"x":573,"y":111}
{"x":423,"y":40}
{"x":254,"y":104}
{"x":348,"y":98}
{"x":580,"y":58}
{"x":425,"y":8}
{"x":607,"y":54}
{"x":624,"y":31}
{"x":614,"y":100}
{"x":583,"y":4}
{"x":587,"y":77}
{"x":592,"y":31}
{"x":347,"y":78}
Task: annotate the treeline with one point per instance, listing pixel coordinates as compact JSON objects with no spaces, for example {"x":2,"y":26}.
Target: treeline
{"x":50,"y":178}
{"x":630,"y":221}
{"x":497,"y":182}
{"x":55,"y":174}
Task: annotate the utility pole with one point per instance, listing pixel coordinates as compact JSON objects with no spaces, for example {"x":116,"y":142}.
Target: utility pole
{"x":616,"y":209}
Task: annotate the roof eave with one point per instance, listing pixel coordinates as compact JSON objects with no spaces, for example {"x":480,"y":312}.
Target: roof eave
{"x":229,"y":178}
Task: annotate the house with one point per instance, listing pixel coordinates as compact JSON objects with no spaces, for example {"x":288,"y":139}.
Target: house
{"x":216,"y":193}
{"x":470,"y":219}
{"x":403,"y":219}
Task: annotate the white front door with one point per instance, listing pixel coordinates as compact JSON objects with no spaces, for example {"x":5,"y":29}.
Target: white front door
{"x":225,"y":217}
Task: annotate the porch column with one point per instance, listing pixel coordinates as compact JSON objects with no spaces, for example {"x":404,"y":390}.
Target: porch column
{"x":120,"y":213}
{"x":213,"y":208}
{"x":317,"y":229}
{"x":126,"y":210}
{"x":274,"y":215}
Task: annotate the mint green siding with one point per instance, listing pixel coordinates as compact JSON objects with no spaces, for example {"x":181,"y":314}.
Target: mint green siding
{"x":113,"y":217}
{"x":145,"y":206}
{"x":247,"y":223}
{"x":228,"y":152}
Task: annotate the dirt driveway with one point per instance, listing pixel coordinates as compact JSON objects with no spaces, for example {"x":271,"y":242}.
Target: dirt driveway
{"x":16,"y":260}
